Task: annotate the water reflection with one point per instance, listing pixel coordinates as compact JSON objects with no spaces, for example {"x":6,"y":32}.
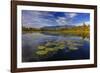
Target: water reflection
{"x":53,"y":46}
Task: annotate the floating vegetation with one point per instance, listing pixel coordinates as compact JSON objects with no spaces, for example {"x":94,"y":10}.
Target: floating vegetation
{"x":50,"y":49}
{"x":72,"y":48}
{"x":43,"y":52}
{"x":54,"y":46}
{"x":41,"y":47}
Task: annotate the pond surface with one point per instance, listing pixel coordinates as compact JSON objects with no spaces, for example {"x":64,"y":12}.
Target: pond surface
{"x":54,"y":47}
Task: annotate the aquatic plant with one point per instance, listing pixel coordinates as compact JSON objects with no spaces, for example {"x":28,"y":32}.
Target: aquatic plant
{"x":54,"y":46}
{"x":42,"y":52}
{"x":72,"y":48}
{"x":41,"y":47}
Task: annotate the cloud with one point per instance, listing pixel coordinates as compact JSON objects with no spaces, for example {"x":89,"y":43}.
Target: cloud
{"x":37,"y":18}
{"x":62,"y":21}
{"x":65,"y":20}
{"x":72,"y":15}
{"x":40,"y":18}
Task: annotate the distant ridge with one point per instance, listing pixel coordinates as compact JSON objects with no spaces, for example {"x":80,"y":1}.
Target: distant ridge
{"x":57,"y":27}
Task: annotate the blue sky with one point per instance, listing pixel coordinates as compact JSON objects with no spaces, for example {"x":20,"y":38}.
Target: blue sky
{"x":39,"y":19}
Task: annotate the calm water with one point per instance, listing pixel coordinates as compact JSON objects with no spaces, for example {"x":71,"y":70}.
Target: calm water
{"x":52,"y":47}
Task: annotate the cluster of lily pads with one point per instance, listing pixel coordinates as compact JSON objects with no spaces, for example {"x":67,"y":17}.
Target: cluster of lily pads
{"x":53,"y":46}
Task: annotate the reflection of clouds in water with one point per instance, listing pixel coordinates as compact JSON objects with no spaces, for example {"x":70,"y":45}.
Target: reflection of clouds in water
{"x":33,"y":40}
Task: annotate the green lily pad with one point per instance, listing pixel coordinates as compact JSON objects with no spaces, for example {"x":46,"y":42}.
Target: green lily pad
{"x":41,"y":52}
{"x":41,"y":47}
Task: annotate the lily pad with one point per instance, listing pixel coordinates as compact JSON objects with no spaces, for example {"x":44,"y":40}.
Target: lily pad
{"x":41,"y":47}
{"x":41,"y":52}
{"x":72,"y":48}
{"x":50,"y":49}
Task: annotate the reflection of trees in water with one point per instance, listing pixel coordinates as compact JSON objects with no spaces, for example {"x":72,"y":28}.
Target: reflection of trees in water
{"x":82,"y":35}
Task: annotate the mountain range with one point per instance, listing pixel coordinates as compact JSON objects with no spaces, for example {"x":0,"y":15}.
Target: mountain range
{"x":57,"y":27}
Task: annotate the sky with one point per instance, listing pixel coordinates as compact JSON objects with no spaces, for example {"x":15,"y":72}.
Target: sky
{"x":38,"y":19}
